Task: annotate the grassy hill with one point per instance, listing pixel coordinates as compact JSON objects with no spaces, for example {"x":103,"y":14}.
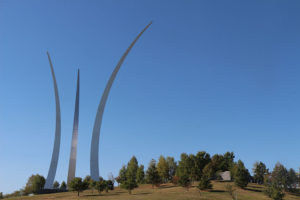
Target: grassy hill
{"x":166,"y":192}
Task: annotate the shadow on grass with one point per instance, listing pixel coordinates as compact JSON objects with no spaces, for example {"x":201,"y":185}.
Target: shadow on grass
{"x":103,"y":194}
{"x":166,"y":186}
{"x":252,"y":190}
{"x":142,"y":193}
{"x":217,"y":191}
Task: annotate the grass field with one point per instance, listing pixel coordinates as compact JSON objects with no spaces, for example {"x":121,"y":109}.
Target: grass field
{"x":166,"y":192}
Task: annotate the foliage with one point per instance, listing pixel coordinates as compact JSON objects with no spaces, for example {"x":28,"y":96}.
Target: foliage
{"x":101,"y":185}
{"x":274,"y":191}
{"x":56,"y":185}
{"x":34,"y":184}
{"x":292,"y":180}
{"x":78,"y":185}
{"x":110,"y":185}
{"x":140,"y":175}
{"x":208,"y":171}
{"x":172,"y":167}
{"x":204,"y":183}
{"x":152,"y":175}
{"x":184,"y":165}
{"x":1,"y":195}
{"x":241,"y":175}
{"x":185,"y":181}
{"x":63,"y":185}
{"x":202,"y":158}
{"x":122,"y":175}
{"x":163,"y":169}
{"x":259,"y":171}
{"x":131,"y":171}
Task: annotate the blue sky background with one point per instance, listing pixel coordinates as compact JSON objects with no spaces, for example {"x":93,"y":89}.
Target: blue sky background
{"x":208,"y":75}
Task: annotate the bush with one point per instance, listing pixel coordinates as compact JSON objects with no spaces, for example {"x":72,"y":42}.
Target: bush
{"x":78,"y":185}
{"x":185,"y":181}
{"x":274,"y":192}
{"x":204,"y":183}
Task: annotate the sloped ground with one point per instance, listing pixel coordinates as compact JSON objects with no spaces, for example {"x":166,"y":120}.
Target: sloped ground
{"x":166,"y":192}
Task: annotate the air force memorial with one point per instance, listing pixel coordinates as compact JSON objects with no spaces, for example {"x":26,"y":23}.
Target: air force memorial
{"x":94,"y":153}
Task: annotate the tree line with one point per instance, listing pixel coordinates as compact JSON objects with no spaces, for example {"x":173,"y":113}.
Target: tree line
{"x":201,"y":168}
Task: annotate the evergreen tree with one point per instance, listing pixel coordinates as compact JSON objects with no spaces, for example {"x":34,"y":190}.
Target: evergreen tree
{"x":63,"y":185}
{"x":172,"y":167}
{"x":241,"y":175}
{"x":130,"y":183}
{"x":259,"y":171}
{"x":292,"y":180}
{"x":122,"y":175}
{"x":184,"y":165}
{"x":163,"y":169}
{"x":152,"y":175}
{"x":201,"y":160}
{"x":56,"y":185}
{"x":140,"y":175}
{"x":185,"y":181}
{"x":204,"y":183}
{"x":279,"y":176}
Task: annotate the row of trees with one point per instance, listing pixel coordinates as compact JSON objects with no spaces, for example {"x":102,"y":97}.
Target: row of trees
{"x":204,"y":168}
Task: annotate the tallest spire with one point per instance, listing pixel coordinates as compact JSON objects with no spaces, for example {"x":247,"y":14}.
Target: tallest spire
{"x":73,"y":154}
{"x":94,"y":159}
{"x":55,"y":153}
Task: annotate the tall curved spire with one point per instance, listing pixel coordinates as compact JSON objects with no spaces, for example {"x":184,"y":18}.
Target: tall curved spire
{"x":94,"y":159}
{"x":73,"y":154}
{"x":55,"y":153}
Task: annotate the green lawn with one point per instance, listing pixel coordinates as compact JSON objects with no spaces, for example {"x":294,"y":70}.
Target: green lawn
{"x":166,"y":192}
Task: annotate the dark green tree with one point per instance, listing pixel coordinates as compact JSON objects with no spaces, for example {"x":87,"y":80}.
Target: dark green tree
{"x":122,"y":175}
{"x":241,"y":175}
{"x":279,"y":176}
{"x":204,"y":183}
{"x":78,"y":185}
{"x":184,"y":165}
{"x":63,"y":185}
{"x":172,"y":167}
{"x":130,"y":183}
{"x":273,"y":188}
{"x":140,"y":175}
{"x":34,"y":184}
{"x":201,"y":160}
{"x":259,"y":171}
{"x":110,"y":185}
{"x":292,"y":180}
{"x":152,"y":175}
{"x":185,"y":181}
{"x":101,"y":185}
{"x":55,"y":185}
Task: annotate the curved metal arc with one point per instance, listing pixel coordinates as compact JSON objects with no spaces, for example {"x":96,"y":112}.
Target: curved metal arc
{"x":94,"y":159}
{"x":73,"y":154}
{"x":56,"y":147}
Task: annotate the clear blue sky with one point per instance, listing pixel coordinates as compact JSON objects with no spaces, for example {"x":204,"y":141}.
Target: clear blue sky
{"x":208,"y":75}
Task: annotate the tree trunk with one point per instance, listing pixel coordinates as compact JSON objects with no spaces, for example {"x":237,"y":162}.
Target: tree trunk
{"x":129,"y":191}
{"x":78,"y":193}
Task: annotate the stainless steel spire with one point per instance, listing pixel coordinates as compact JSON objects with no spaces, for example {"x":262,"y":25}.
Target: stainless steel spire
{"x":55,"y":153}
{"x":94,"y":162}
{"x":72,"y":162}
